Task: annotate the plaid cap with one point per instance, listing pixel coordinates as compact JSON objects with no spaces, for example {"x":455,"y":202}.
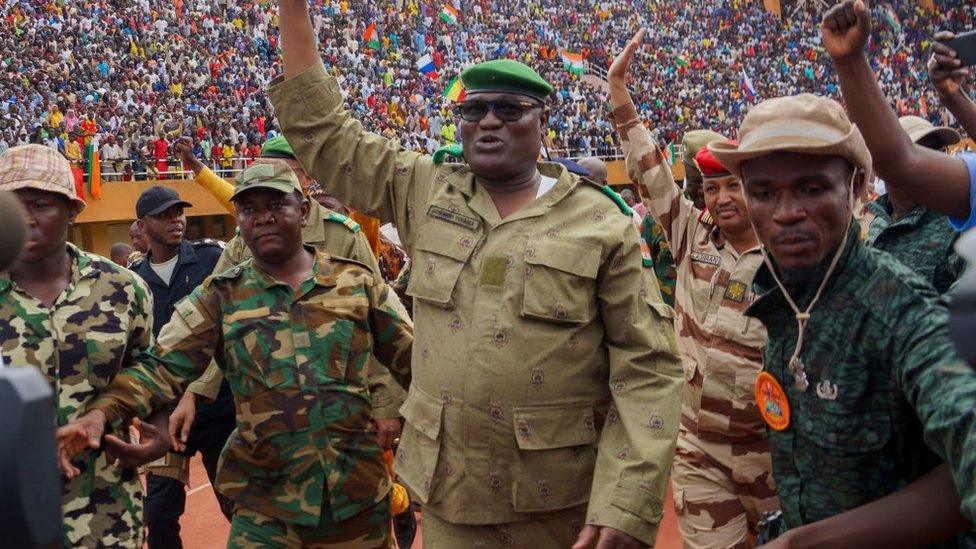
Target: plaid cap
{"x":269,"y":174}
{"x":805,"y":124}
{"x":38,"y":167}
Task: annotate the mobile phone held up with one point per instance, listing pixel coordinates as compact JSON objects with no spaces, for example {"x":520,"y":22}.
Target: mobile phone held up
{"x":965,"y":47}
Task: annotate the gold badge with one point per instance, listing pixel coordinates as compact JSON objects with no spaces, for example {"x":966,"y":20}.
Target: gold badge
{"x":736,"y":291}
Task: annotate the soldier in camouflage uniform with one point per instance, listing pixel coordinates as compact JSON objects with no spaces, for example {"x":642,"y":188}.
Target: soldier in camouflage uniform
{"x":659,"y":257}
{"x":78,"y":318}
{"x":914,"y":234}
{"x":326,"y":230}
{"x":293,"y":328}
{"x":722,"y":471}
{"x":546,"y":385}
{"x":861,"y":386}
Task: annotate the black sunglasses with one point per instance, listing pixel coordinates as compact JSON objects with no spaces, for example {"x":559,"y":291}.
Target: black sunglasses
{"x":506,"y":110}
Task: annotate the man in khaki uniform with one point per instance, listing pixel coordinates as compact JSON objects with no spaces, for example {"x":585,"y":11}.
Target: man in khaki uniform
{"x":546,"y":382}
{"x":722,"y":471}
{"x":326,"y":231}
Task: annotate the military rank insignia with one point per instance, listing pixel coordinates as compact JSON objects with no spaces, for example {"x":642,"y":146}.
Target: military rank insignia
{"x":736,"y":291}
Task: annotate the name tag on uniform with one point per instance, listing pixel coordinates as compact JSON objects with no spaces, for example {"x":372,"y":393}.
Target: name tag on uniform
{"x":736,"y":291}
{"x":456,"y":218}
{"x":708,"y":259}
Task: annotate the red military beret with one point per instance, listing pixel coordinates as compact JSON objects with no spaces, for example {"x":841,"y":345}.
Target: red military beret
{"x":708,"y":165}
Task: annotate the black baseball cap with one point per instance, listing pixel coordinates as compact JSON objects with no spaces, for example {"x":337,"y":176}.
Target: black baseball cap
{"x":156,"y":200}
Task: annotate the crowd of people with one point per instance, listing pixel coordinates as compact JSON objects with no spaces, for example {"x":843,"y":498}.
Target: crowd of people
{"x":140,"y":77}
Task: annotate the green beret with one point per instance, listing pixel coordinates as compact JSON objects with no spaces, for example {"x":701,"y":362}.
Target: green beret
{"x":277,"y":147}
{"x":694,"y":141}
{"x":505,"y":75}
{"x":442,"y":153}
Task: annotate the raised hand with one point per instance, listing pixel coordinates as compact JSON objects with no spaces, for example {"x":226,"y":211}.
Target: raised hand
{"x":620,"y":67}
{"x":944,"y":67}
{"x":846,"y":28}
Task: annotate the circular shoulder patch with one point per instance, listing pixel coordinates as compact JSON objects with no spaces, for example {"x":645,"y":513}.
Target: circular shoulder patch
{"x":772,"y":401}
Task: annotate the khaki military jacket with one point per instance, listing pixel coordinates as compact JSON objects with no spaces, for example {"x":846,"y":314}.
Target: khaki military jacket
{"x":721,"y":347}
{"x":545,"y":369}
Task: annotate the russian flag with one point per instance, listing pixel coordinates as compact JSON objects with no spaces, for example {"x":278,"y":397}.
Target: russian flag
{"x":747,"y":87}
{"x":426,"y":66}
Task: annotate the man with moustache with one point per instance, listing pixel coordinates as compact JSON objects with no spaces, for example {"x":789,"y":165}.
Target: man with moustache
{"x":172,"y":268}
{"x":722,"y":471}
{"x":545,"y":386}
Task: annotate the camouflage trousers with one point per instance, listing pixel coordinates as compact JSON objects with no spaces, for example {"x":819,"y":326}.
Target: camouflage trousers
{"x":370,"y":529}
{"x":559,"y":529}
{"x":721,"y":491}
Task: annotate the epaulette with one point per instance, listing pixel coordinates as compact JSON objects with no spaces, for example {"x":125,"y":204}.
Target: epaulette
{"x":617,"y":199}
{"x":336,"y":217}
{"x":705,"y":218}
{"x":208,"y":242}
{"x":341,"y":259}
{"x":233,"y":272}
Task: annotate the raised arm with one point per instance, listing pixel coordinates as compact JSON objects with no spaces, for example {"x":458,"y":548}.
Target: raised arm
{"x":947,"y":74}
{"x":915,"y":171}
{"x":646,"y":164}
{"x":299,"y":49}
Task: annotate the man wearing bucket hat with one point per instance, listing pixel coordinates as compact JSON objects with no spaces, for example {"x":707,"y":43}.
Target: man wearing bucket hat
{"x":722,"y":481}
{"x":914,"y":234}
{"x":76,"y":317}
{"x":946,"y":184}
{"x":534,"y":314}
{"x":293,"y":328}
{"x":861,"y":388}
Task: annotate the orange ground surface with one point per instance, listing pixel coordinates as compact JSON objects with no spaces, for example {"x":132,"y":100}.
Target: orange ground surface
{"x":203,"y":527}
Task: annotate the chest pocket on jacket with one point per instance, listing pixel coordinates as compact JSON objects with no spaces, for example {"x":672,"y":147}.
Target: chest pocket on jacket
{"x":252,"y":336}
{"x":560,"y":278}
{"x":440,"y":256}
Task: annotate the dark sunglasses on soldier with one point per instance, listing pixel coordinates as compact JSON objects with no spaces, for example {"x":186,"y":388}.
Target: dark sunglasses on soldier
{"x":508,"y":110}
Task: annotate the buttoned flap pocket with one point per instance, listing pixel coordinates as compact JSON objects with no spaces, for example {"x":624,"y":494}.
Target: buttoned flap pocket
{"x":841,"y":456}
{"x":338,"y":336}
{"x":251,"y":336}
{"x":437,"y":263}
{"x":556,"y":455}
{"x":639,"y":500}
{"x":420,"y":443}
{"x":560,"y":281}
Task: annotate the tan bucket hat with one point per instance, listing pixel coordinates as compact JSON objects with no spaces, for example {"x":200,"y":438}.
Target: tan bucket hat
{"x":805,"y":123}
{"x":38,"y":167}
{"x":919,"y":128}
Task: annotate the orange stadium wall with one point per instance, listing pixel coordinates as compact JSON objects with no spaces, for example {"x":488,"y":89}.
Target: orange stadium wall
{"x":106,"y":220}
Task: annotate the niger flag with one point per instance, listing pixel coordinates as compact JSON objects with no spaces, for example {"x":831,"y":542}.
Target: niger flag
{"x":94,"y":170}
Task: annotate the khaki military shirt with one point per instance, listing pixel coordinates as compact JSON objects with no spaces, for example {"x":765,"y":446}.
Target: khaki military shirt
{"x":545,"y":371}
{"x":80,"y":344}
{"x":305,"y":442}
{"x":339,"y":236}
{"x":721,"y":347}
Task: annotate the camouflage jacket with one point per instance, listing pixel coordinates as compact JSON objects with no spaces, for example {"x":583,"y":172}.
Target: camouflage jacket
{"x":661,"y":259}
{"x":923,"y":240}
{"x":80,"y":344}
{"x":338,"y":236}
{"x":295,"y":363}
{"x":888,"y":399}
{"x":545,"y":373}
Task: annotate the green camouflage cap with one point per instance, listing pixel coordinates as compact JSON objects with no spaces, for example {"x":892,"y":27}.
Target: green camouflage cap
{"x":277,"y":147}
{"x":694,"y":141}
{"x":267,"y":175}
{"x":505,"y":75}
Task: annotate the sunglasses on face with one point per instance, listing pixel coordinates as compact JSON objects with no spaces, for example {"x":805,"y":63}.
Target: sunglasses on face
{"x":506,"y":110}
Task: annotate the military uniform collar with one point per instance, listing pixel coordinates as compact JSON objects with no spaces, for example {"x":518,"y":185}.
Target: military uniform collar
{"x":882,"y":208}
{"x":186,"y":254}
{"x":81,"y":268}
{"x":314,"y":231}
{"x":480,"y":201}
{"x":322,"y":273}
{"x":771,"y":298}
